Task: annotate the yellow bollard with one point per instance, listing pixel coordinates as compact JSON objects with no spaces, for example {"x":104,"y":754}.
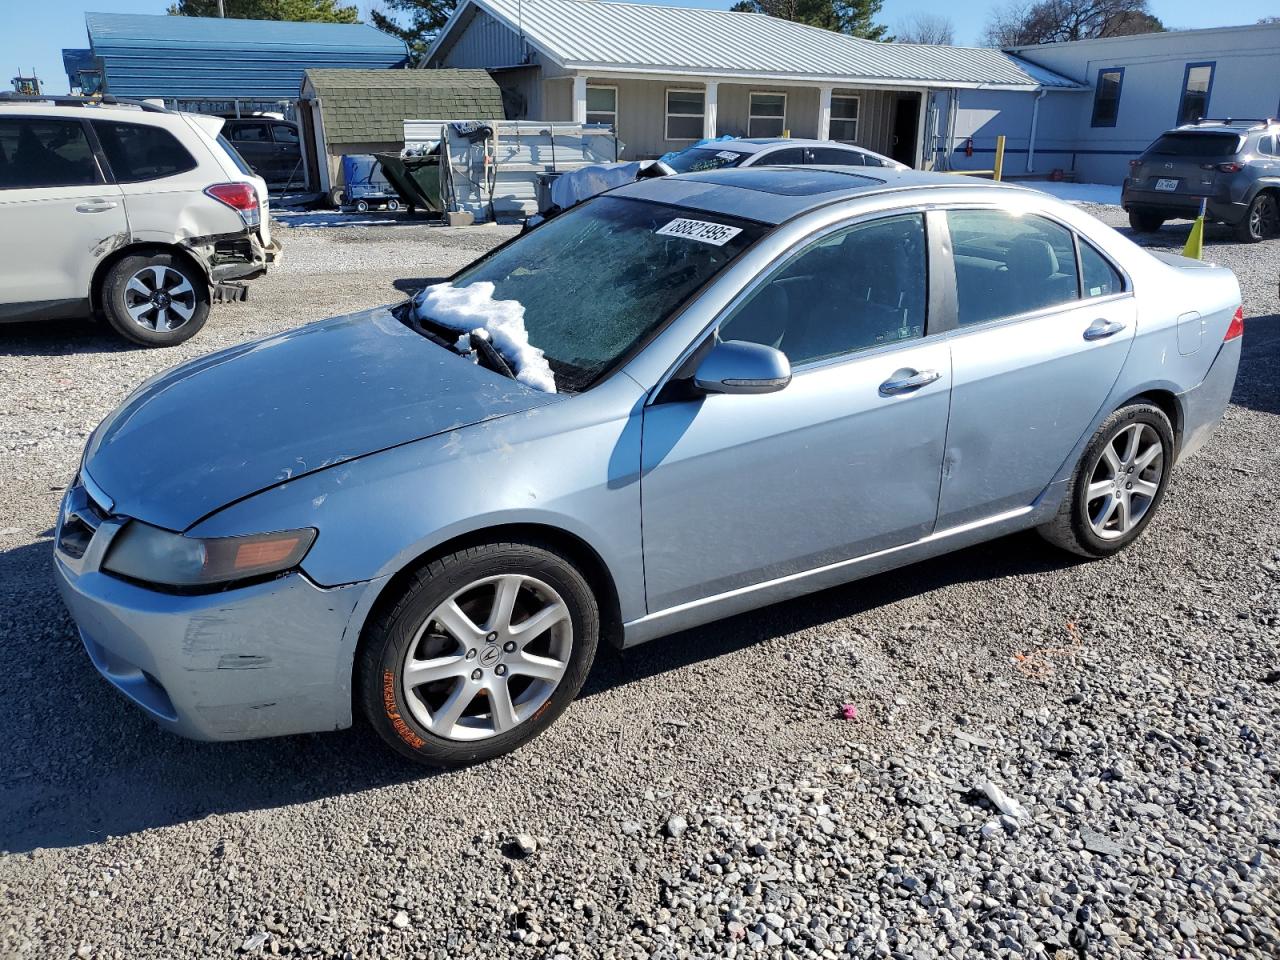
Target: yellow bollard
{"x":999,"y":158}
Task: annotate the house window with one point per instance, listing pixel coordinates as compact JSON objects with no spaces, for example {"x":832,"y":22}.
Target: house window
{"x":1106,"y":97}
{"x":844,"y":119}
{"x":602,"y":105}
{"x":768,"y":115}
{"x":685,"y":110}
{"x":1197,"y":84}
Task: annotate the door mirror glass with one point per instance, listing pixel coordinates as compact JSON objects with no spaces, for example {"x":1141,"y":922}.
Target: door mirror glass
{"x":736,"y":367}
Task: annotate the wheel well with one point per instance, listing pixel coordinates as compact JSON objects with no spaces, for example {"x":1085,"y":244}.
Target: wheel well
{"x":1167,"y":402}
{"x":572,"y":548}
{"x":100,"y":273}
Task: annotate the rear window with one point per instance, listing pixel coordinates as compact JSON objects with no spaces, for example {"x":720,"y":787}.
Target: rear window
{"x":45,"y":153}
{"x":140,"y":152}
{"x":1195,"y":145}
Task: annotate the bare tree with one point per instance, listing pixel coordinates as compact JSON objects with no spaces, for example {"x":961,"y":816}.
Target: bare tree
{"x":1023,"y":23}
{"x":926,"y":28}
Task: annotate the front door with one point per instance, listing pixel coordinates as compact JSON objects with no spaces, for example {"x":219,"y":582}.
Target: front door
{"x":1039,"y":345}
{"x":906,"y":120}
{"x":58,"y":218}
{"x":843,"y":461}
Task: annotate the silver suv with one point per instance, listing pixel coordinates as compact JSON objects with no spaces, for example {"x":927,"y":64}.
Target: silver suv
{"x":126,"y":208}
{"x":1232,"y":165}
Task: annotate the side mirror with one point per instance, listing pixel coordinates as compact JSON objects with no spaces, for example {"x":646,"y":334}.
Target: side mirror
{"x":735,"y":366}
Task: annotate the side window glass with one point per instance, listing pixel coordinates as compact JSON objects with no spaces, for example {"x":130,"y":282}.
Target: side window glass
{"x":833,"y":157}
{"x":1007,"y":264}
{"x":871,"y":161}
{"x":1101,"y":279}
{"x":860,"y":287}
{"x":790,"y":155}
{"x":248,"y":132}
{"x":283,"y":133}
{"x":139,"y":152}
{"x":45,"y":153}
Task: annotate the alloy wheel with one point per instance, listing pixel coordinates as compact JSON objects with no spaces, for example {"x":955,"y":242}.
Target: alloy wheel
{"x":159,"y":298}
{"x":1125,"y":480}
{"x":1264,"y":218}
{"x":488,"y":658}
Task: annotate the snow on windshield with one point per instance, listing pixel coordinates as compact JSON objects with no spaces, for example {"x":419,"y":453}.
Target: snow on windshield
{"x":472,"y":309}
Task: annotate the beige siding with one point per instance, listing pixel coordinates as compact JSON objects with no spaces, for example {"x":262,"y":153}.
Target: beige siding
{"x":557,"y":99}
{"x":875,"y":118}
{"x":521,"y":93}
{"x":735,"y":106}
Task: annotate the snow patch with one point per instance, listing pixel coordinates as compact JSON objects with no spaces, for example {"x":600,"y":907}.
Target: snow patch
{"x":1076,"y":192}
{"x":472,"y":309}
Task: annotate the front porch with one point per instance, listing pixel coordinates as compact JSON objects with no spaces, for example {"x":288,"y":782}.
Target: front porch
{"x":656,"y":115}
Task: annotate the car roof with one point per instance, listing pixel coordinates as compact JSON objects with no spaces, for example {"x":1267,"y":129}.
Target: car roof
{"x":774,"y":194}
{"x":758,"y":144}
{"x":90,"y":109}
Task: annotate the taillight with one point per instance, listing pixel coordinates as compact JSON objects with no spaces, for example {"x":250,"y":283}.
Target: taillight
{"x":1134,"y":165}
{"x":1230,"y":167}
{"x":1236,"y":327}
{"x":240,"y":197}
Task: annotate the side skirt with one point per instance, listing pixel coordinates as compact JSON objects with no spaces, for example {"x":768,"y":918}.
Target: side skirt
{"x":707,"y":609}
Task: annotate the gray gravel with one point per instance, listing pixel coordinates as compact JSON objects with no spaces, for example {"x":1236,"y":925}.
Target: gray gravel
{"x":1048,"y":759}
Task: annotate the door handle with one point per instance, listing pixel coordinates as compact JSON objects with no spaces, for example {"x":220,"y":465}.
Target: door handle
{"x":904,"y":381}
{"x":1100,"y":329}
{"x":96,"y":206}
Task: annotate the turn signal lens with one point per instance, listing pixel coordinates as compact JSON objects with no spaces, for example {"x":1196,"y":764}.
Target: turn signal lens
{"x":1236,"y":327}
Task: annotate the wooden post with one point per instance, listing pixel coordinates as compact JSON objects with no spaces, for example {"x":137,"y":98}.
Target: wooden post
{"x":999,"y":158}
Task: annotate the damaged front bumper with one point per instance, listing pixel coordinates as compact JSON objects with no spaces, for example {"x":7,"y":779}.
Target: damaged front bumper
{"x":261,"y":660}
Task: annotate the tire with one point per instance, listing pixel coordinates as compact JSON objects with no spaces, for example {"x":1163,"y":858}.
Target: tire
{"x":362,"y":206}
{"x":393,"y":205}
{"x":1145,"y":222}
{"x":1262,"y":219}
{"x":156,"y":300}
{"x":1095,"y":484}
{"x":449,"y":718}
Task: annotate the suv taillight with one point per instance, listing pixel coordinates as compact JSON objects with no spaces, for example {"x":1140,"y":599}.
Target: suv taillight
{"x":1236,"y":327}
{"x":1134,"y":165}
{"x":1230,"y":167}
{"x":240,"y":197}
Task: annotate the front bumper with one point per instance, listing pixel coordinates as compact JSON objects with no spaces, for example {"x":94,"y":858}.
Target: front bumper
{"x":1203,"y":405}
{"x":269,"y":659}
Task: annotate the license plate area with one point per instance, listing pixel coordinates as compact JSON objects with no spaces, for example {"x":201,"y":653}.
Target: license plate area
{"x":1166,"y":184}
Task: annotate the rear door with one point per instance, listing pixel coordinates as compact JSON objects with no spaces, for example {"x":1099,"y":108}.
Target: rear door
{"x":288,"y":153}
{"x":1042,"y":333}
{"x":59,"y":217}
{"x":844,"y":461}
{"x":252,"y":139}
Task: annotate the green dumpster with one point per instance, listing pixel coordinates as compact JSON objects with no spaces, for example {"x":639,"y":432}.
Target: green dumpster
{"x":415,"y":179}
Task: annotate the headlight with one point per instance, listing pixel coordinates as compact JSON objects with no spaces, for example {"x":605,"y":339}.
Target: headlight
{"x":146,"y":553}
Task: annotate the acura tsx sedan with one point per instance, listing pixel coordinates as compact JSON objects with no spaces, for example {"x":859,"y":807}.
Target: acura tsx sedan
{"x":681,"y":400}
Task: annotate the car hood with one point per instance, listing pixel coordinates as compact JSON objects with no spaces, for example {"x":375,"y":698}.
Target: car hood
{"x":233,"y":423}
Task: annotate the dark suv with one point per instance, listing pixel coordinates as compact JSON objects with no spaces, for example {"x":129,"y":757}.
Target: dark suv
{"x":1232,"y":164}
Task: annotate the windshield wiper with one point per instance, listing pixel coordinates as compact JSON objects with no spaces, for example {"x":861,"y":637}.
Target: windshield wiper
{"x":449,"y":338}
{"x":489,"y":356}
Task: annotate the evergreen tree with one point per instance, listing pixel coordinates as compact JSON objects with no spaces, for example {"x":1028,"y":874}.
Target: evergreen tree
{"x":323,"y":11}
{"x":854,"y":17}
{"x":425,"y":18}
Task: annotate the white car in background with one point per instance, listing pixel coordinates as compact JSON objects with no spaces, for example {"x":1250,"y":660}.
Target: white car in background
{"x":126,"y":208}
{"x":776,"y":152}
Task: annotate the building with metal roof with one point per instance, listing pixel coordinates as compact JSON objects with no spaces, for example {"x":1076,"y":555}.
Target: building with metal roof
{"x":667,"y":76}
{"x":219,"y":65}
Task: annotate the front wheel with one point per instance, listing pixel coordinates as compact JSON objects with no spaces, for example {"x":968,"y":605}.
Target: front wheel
{"x":484,"y":649}
{"x":1118,"y":484}
{"x":1261,"y":221}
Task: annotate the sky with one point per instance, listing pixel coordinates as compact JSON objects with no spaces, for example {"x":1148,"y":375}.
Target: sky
{"x":35,"y":38}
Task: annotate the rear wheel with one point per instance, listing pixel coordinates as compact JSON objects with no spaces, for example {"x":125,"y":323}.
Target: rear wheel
{"x":1145,"y":222}
{"x":1118,"y":484}
{"x":484,"y":649}
{"x":1262,"y":219}
{"x":157,"y":300}
{"x":393,"y":205}
{"x":362,"y":206}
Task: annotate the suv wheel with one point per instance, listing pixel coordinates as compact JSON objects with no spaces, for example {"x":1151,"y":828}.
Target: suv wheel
{"x":484,"y":649}
{"x":156,"y":300}
{"x":1117,"y":485}
{"x":1261,"y":221}
{"x":1145,"y":222}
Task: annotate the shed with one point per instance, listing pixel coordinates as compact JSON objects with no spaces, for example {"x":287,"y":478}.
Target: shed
{"x":363,"y":111}
{"x":218,"y":65}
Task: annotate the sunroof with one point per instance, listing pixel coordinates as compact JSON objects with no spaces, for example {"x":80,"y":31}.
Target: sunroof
{"x":787,"y":181}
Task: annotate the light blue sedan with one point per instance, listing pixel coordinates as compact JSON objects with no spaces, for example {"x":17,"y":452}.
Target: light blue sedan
{"x":687,"y":398}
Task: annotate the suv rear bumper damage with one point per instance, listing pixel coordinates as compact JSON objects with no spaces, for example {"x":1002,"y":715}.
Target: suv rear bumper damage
{"x":232,"y":256}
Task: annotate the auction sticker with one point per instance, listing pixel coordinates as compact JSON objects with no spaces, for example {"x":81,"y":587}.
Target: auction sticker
{"x":716,"y":234}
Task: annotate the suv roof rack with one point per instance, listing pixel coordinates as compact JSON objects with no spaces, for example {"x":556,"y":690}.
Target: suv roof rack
{"x":104,"y":100}
{"x":1254,"y":122}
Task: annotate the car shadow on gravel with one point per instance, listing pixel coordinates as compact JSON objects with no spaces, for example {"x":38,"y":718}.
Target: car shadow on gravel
{"x":1258,"y":381}
{"x":58,"y":338}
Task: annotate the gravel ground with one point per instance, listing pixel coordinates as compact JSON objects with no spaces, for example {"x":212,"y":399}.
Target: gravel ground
{"x":1045,"y":758}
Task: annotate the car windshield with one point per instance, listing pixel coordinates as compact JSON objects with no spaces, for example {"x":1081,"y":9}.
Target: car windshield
{"x":598,"y":280}
{"x":1195,"y":145}
{"x":705,"y":158}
